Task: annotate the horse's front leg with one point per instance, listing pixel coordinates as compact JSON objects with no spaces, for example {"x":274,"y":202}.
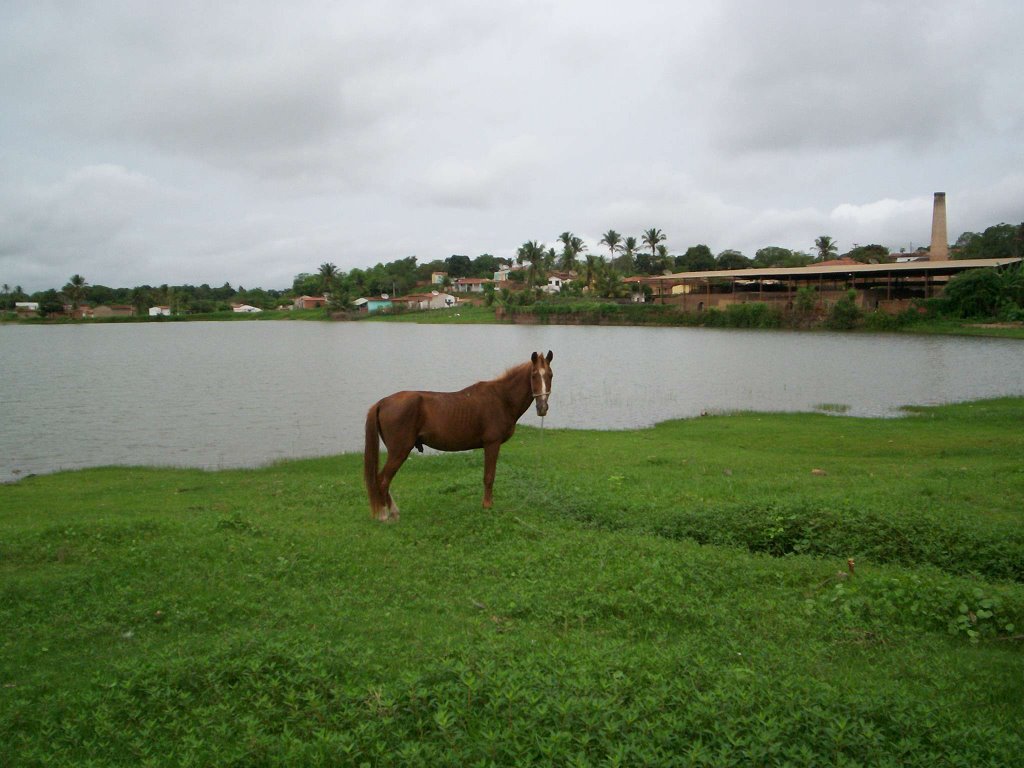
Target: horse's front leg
{"x":490,"y":466}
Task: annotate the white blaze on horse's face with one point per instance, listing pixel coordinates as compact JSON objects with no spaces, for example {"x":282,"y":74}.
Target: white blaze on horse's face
{"x":540,"y":380}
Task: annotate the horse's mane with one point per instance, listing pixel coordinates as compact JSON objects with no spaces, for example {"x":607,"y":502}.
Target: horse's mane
{"x":512,"y":373}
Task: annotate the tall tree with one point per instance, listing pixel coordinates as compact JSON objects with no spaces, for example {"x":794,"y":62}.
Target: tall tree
{"x":327,"y":272}
{"x":613,"y":240}
{"x":532,"y":254}
{"x":607,"y":282}
{"x":458,"y":265}
{"x":572,"y":247}
{"x":869,"y":254}
{"x":731,"y":259}
{"x":651,"y":238}
{"x":698,"y":258}
{"x":591,"y":268}
{"x":75,"y":290}
{"x":826,"y":248}
{"x":1001,"y":241}
{"x":664,"y":261}
{"x":626,"y":263}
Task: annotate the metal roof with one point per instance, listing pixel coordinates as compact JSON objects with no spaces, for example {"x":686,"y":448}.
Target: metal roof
{"x":782,"y":273}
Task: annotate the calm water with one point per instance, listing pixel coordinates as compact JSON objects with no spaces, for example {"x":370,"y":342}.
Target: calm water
{"x":243,"y":394}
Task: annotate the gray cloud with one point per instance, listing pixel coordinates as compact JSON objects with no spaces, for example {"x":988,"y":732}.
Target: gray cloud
{"x":203,"y":143}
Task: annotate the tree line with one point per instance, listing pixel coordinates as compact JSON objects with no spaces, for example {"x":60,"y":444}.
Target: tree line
{"x":77,"y":292}
{"x":599,"y":273}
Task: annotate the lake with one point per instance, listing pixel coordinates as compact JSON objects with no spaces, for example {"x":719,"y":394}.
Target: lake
{"x":241,"y":394}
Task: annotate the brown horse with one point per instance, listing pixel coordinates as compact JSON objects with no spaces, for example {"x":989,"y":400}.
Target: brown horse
{"x":483,"y":415}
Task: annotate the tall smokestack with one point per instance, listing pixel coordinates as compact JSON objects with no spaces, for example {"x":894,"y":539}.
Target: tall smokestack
{"x":939,"y":250}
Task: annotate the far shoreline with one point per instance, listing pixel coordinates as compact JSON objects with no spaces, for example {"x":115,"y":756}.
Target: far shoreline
{"x":596,"y":315}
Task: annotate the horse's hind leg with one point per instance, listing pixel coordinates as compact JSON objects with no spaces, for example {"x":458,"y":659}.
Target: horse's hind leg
{"x":396,"y":458}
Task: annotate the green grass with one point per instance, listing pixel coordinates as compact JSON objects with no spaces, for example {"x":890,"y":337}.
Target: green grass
{"x":671,"y":596}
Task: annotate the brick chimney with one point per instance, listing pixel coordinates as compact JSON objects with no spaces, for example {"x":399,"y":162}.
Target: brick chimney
{"x":939,"y":250}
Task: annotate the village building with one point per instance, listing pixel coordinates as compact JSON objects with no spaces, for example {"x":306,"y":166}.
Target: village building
{"x":431,"y":300}
{"x":471,"y":284}
{"x":502,"y":274}
{"x":556,"y":280}
{"x":309,"y":302}
{"x":374,"y":303}
{"x":113,"y":310}
{"x":890,"y":288}
{"x":80,"y":312}
{"x":885,"y":287}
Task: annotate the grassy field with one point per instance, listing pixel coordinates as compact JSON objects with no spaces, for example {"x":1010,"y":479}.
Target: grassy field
{"x":673,"y":596}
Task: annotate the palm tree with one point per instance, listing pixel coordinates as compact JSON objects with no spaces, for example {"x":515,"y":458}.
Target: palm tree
{"x":328,"y":273}
{"x":651,"y":239}
{"x":75,"y":290}
{"x":572,"y":247}
{"x":826,"y":247}
{"x":608,"y":284}
{"x":549,"y":259}
{"x":532,"y":253}
{"x":664,"y":262}
{"x":627,"y":261}
{"x":613,"y":240}
{"x":591,"y":268}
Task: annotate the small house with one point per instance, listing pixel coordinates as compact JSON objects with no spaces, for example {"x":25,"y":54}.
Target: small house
{"x":309,"y":302}
{"x":471,"y":284}
{"x":556,"y":280}
{"x":114,"y":310}
{"x":160,"y":311}
{"x":432,"y":300}
{"x":378,"y":303}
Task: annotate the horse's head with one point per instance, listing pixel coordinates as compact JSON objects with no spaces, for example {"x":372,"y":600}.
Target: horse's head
{"x":540,"y":380}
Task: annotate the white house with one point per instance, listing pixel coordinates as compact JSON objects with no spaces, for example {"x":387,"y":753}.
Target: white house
{"x":556,"y":280}
{"x":502,"y":274}
{"x":432,"y":300}
{"x":471,"y":284}
{"x":159,"y":311}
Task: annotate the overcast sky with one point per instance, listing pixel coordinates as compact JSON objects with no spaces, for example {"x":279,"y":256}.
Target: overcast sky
{"x":248,"y":142}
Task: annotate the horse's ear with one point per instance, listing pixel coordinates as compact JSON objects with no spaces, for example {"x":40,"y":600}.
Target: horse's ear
{"x":550,"y":356}
{"x":533,"y":358}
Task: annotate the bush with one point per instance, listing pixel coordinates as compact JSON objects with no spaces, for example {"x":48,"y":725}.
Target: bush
{"x":844,"y":314}
{"x":974,"y":294}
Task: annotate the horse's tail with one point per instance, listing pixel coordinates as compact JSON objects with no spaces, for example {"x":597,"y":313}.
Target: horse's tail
{"x":371,"y":460}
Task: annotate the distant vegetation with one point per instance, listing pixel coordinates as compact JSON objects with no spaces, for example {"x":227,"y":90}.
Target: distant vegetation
{"x":597,"y":276}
